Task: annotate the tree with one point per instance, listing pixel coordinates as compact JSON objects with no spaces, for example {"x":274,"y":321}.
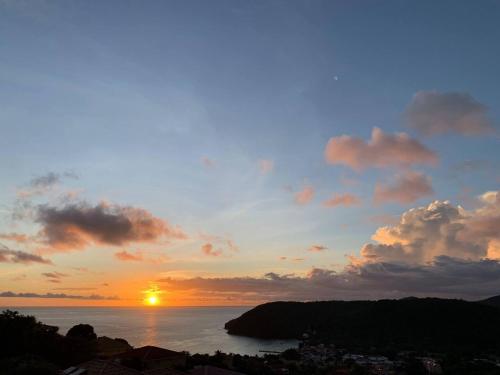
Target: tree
{"x":82,"y":331}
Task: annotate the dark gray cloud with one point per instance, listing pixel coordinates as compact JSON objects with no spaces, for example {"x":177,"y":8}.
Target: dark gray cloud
{"x":444,"y":277}
{"x":57,"y":295}
{"x":75,"y":226}
{"x":433,"y":113}
{"x":15,"y":256}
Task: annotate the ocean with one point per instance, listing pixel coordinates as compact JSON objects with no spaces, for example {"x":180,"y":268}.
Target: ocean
{"x":193,"y":329}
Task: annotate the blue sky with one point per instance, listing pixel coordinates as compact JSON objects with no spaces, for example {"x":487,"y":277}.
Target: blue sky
{"x":131,"y":96}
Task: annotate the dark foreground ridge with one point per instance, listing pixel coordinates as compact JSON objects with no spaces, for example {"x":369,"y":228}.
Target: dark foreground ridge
{"x":29,"y":347}
{"x":442,"y":325}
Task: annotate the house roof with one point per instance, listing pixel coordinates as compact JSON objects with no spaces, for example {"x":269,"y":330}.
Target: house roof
{"x":102,"y":367}
{"x":149,"y":353}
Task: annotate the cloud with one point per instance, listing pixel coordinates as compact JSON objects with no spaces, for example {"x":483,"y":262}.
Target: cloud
{"x":139,"y":256}
{"x":126,"y":256}
{"x":304,"y":196}
{"x":407,"y":188}
{"x":221,"y":241}
{"x":381,"y":151}
{"x":15,"y":256}
{"x":54,"y":277}
{"x":432,"y":113}
{"x":266,"y":166}
{"x":76,"y":226}
{"x":44,"y":181}
{"x":434,"y":250}
{"x":15,"y":237}
{"x":444,"y":277}
{"x":208,"y":249}
{"x":232,"y":246}
{"x":483,"y":224}
{"x":207,"y":162}
{"x":341,"y":200}
{"x":317,"y":248}
{"x":439,"y":229}
{"x":42,"y":184}
{"x":56,"y":295}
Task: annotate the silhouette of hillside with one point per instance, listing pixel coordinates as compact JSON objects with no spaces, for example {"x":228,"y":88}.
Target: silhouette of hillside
{"x":433,"y":324}
{"x":492,"y":301}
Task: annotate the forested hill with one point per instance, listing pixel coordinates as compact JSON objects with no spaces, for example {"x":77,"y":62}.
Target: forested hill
{"x":431,"y":324}
{"x":492,"y":301}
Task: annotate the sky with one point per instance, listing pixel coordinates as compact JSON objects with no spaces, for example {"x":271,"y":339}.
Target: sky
{"x":238,"y":152}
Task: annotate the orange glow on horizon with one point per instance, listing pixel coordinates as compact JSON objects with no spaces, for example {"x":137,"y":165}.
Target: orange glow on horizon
{"x":152,"y":296}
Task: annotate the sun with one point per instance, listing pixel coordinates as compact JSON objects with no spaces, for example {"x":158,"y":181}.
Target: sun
{"x":152,"y":300}
{"x":152,"y":296}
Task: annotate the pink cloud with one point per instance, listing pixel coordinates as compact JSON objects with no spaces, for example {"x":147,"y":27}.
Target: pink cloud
{"x":381,"y":151}
{"x":140,"y":256}
{"x":407,"y":188}
{"x":15,"y":237}
{"x":129,"y":257}
{"x":341,"y":200}
{"x":208,"y":249}
{"x":304,"y":196}
{"x":221,"y":241}
{"x":317,"y":248}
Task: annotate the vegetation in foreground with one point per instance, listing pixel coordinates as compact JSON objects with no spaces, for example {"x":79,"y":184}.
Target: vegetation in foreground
{"x":29,"y":347}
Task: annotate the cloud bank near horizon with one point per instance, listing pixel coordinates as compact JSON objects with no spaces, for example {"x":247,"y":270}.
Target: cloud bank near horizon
{"x":435,"y":250}
{"x":97,"y":297}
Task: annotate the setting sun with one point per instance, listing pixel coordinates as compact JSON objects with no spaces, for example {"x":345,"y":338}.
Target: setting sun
{"x":152,"y":300}
{"x":152,"y":295}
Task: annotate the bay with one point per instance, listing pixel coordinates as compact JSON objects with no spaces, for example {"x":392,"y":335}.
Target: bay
{"x":193,"y":329}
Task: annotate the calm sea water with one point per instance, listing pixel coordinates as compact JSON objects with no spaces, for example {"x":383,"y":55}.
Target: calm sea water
{"x":195,"y":329}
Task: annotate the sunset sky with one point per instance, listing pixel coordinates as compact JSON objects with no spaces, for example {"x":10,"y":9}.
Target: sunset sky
{"x":236,"y":152}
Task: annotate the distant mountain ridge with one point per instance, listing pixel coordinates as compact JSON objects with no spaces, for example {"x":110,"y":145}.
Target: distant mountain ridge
{"x":433,"y":324}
